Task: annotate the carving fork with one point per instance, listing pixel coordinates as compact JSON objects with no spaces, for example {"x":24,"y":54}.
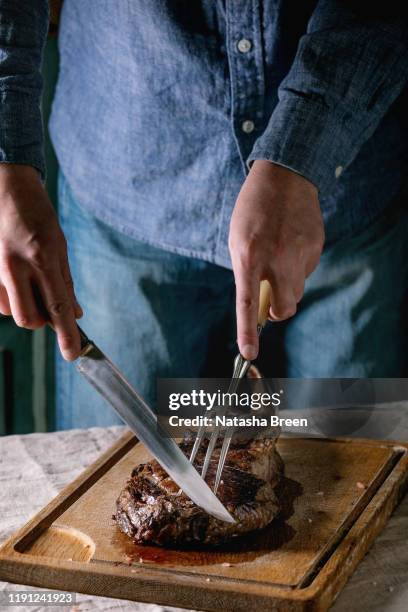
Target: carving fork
{"x":241,"y":366}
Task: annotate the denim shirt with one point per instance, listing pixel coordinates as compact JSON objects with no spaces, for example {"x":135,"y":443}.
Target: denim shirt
{"x":162,"y":105}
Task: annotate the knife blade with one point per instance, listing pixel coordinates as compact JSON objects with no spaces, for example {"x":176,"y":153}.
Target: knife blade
{"x":103,"y":375}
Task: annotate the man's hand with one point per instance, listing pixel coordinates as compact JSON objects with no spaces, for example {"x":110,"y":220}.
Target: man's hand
{"x":277,"y":234}
{"x":35,"y":280}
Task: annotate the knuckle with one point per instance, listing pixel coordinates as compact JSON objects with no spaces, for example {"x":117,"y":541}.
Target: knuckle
{"x":37,"y":255}
{"x":245,"y":301}
{"x":58,"y":307}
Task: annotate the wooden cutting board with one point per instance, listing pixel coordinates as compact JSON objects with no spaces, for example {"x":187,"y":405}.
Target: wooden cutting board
{"x":337,"y":495}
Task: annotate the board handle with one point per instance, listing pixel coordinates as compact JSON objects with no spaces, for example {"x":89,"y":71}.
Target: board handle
{"x":265,"y":294}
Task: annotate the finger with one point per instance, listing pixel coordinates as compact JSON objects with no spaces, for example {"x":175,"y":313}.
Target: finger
{"x":298,"y":288}
{"x":4,"y":302}
{"x":247,"y":301}
{"x":21,"y":300}
{"x":66,"y":274}
{"x":283,"y":300}
{"x":61,"y":312}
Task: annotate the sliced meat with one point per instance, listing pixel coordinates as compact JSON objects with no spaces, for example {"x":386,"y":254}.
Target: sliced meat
{"x":151,"y":509}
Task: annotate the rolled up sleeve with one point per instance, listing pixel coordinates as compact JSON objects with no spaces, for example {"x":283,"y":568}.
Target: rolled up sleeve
{"x":23,"y":30}
{"x":348,"y":70}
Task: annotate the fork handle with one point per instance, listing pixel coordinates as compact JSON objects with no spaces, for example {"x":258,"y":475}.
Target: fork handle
{"x":265,"y":294}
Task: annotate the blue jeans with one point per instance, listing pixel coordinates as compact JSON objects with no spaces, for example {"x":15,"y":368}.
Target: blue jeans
{"x":157,"y":314}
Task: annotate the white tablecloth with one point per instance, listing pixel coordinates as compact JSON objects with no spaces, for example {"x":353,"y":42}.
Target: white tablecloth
{"x":35,"y":467}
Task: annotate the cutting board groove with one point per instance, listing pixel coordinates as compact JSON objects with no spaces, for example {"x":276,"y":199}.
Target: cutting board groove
{"x":337,"y":495}
{"x":379,"y":480}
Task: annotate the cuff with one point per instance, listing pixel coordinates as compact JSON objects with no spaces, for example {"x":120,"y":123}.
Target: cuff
{"x":21,"y":134}
{"x":310,"y":138}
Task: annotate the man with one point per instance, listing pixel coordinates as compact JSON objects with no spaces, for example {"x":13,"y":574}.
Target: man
{"x":186,"y":127}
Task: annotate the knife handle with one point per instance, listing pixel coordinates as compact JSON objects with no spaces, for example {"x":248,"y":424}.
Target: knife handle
{"x":265,"y":294}
{"x":84,"y":338}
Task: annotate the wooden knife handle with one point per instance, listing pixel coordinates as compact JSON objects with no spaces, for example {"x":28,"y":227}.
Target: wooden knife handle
{"x":265,"y":294}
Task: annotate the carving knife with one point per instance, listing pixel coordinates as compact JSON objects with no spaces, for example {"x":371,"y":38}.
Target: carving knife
{"x":138,"y":416}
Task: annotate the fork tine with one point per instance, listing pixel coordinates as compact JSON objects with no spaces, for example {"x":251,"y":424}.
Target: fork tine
{"x":197,"y":443}
{"x":221,"y":462}
{"x":241,"y":366}
{"x":210,"y":449}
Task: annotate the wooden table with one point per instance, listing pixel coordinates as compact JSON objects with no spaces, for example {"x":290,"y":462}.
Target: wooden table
{"x":33,"y":468}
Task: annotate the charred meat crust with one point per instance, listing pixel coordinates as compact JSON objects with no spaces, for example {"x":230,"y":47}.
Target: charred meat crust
{"x":151,"y":509}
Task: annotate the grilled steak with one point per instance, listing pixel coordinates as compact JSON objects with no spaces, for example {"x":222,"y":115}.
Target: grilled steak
{"x":151,"y":509}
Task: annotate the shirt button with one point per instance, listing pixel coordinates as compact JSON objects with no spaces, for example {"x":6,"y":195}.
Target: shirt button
{"x":338,"y":171}
{"x":248,"y":126}
{"x":244,"y":45}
